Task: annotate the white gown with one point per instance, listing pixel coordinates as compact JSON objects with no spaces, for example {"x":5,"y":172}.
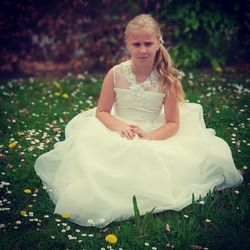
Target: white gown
{"x":94,"y":173}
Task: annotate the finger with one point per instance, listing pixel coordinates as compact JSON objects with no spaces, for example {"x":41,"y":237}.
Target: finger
{"x":133,"y":126}
{"x":138,"y":132}
{"x":141,"y":138}
{"x":135,"y":130}
{"x":121,"y":133}
{"x":131,"y":134}
{"x":126,"y":134}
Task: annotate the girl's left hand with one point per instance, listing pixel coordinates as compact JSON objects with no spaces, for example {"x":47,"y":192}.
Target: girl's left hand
{"x":141,"y":133}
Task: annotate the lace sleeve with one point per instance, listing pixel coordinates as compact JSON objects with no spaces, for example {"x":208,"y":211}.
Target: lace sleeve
{"x":115,"y":75}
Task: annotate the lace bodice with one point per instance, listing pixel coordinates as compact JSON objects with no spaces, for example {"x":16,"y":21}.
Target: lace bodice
{"x":139,"y":102}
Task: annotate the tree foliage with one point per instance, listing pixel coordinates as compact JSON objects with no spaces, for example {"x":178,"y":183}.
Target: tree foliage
{"x":87,"y":35}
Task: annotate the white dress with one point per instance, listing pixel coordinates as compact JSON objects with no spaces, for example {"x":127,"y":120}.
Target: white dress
{"x":94,"y":173}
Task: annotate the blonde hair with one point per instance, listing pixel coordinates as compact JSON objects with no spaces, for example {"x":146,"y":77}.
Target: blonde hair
{"x":169,"y":76}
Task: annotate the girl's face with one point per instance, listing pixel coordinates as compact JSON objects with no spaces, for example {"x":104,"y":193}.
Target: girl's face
{"x":142,"y":46}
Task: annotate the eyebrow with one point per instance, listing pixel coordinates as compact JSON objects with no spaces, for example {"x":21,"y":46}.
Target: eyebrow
{"x":149,"y":41}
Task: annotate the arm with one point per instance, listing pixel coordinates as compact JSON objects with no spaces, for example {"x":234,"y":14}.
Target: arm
{"x":104,"y":107}
{"x":170,"y":128}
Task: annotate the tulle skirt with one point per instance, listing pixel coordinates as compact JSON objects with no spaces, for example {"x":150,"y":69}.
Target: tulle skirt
{"x":94,"y":173}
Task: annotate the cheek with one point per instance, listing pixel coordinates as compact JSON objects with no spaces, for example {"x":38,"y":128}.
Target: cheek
{"x":130,"y":49}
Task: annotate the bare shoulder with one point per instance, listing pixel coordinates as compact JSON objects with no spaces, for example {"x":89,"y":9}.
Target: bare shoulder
{"x":114,"y":73}
{"x":109,"y":77}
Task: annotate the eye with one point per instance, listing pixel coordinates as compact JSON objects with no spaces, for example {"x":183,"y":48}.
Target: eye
{"x":136,"y":44}
{"x":148,"y":44}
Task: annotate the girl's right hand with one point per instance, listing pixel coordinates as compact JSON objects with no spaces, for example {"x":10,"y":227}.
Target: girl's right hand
{"x":127,"y":131}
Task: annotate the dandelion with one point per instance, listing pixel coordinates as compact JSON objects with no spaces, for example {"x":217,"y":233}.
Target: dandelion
{"x":24,"y":213}
{"x":65,"y":215}
{"x":56,"y":84}
{"x":146,"y":244}
{"x":27,"y":191}
{"x":111,"y":238}
{"x":57,"y":94}
{"x":65,"y":95}
{"x":218,"y":69}
{"x":13,"y":144}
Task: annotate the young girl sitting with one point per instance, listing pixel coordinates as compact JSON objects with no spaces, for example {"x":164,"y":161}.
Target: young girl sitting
{"x":142,"y":140}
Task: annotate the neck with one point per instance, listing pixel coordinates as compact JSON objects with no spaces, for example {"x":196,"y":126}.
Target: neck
{"x":141,"y":68}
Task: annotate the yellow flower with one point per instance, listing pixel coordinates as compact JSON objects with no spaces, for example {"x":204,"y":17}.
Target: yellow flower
{"x":24,"y":213}
{"x":57,"y":94}
{"x":111,"y":238}
{"x":27,"y":191}
{"x":56,"y":84}
{"x":30,"y":205}
{"x":65,"y":95}
{"x":13,"y":144}
{"x":65,"y":215}
{"x":218,"y":69}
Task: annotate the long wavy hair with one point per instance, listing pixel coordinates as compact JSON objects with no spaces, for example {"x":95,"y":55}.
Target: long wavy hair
{"x":169,"y":76}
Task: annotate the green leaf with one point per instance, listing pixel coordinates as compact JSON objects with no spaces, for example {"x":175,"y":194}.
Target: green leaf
{"x":136,"y":212}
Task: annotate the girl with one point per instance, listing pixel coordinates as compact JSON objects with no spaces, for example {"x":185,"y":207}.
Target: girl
{"x":139,"y":141}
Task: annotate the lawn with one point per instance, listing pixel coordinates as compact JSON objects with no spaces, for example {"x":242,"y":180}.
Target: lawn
{"x":34,"y":113}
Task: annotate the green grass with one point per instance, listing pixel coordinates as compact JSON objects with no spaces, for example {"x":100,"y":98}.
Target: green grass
{"x":34,"y":117}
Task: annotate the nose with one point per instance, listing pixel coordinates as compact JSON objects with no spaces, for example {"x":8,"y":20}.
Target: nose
{"x":142,"y":49}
